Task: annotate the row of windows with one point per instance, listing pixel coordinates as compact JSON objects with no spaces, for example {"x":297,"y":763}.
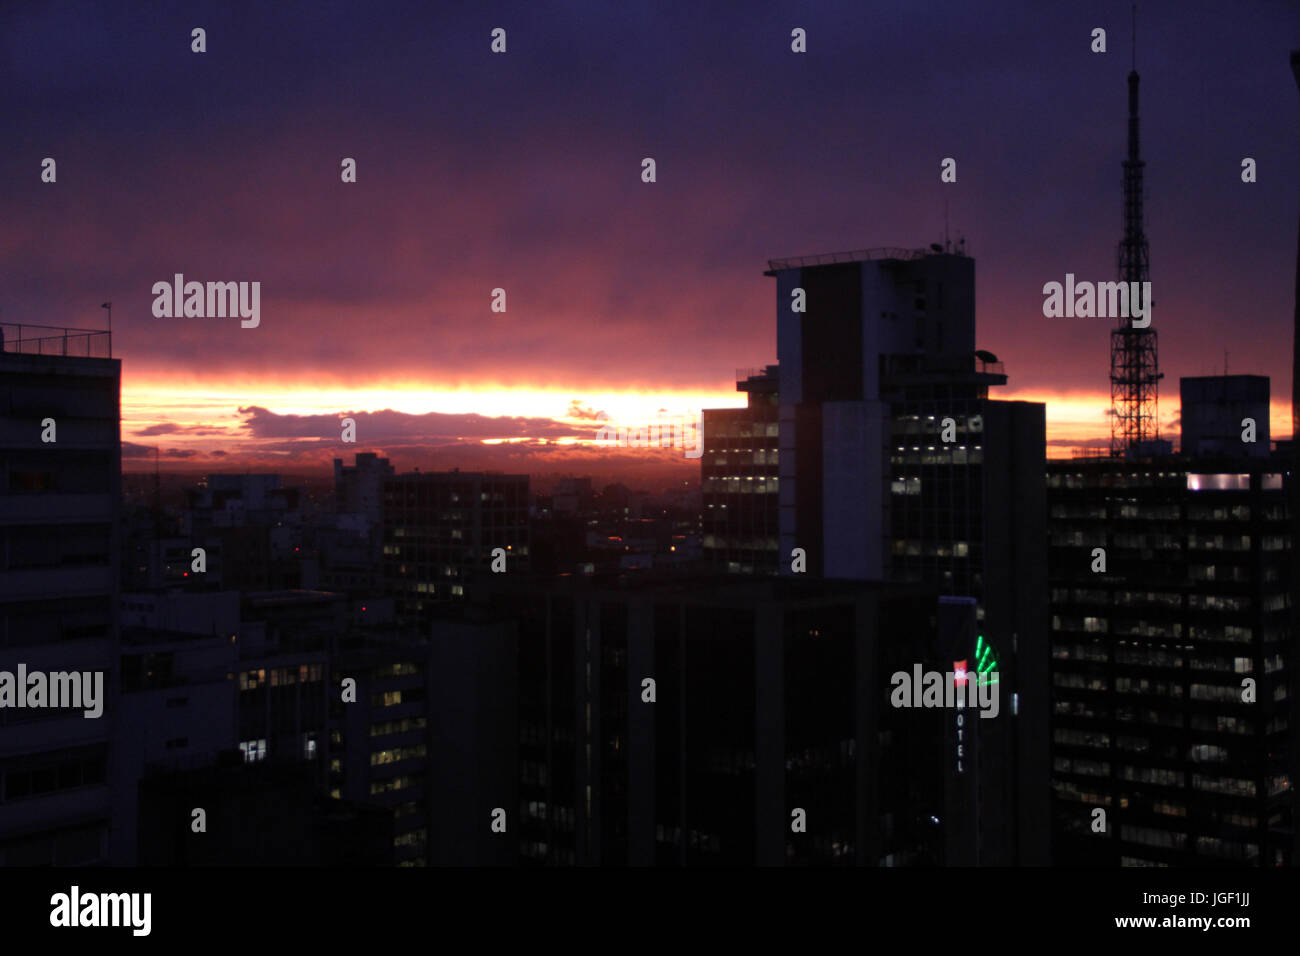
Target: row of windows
{"x":26,"y":548}
{"x":1148,"y":715}
{"x":1231,"y":786}
{"x":396,"y":754}
{"x":412,"y":838}
{"x":392,"y":698}
{"x":744,"y":456}
{"x":1150,"y":836}
{"x":1082,"y":738}
{"x":67,"y":773}
{"x":398,"y":726}
{"x":1145,"y":686}
{"x":1221,"y":724}
{"x":1089,"y":768}
{"x":302,"y":674}
{"x":934,"y":424}
{"x":938,"y":455}
{"x":399,"y":670}
{"x":392,"y":784}
{"x":1121,"y":479}
{"x":1069,"y":790}
{"x":744,"y":485}
{"x":744,"y":429}
{"x":1227,"y":849}
{"x":720,"y":542}
{"x":28,"y":623}
{"x":936,"y":549}
{"x":280,"y":676}
{"x":1156,"y":775}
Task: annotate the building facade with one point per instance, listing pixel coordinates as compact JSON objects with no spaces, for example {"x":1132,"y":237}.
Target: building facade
{"x":1171,"y":648}
{"x":60,"y":487}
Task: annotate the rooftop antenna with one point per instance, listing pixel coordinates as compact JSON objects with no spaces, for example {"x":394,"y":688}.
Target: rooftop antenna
{"x":1135,"y":36}
{"x":947,"y":246}
{"x":1134,"y":366}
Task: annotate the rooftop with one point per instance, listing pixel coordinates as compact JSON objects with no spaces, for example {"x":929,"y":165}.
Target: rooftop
{"x":25,"y":339}
{"x":857,"y":255}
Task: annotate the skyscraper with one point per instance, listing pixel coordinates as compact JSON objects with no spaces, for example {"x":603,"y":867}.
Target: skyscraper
{"x":1170,"y":652}
{"x":895,"y":465}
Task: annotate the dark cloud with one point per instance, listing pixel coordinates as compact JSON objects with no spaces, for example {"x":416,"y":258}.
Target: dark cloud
{"x":170,"y":428}
{"x":1079,"y":442}
{"x":394,"y":427}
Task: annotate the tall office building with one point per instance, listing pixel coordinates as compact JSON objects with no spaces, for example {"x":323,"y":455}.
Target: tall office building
{"x":60,"y":476}
{"x":440,"y":529}
{"x":739,"y":473}
{"x":896,"y":465}
{"x":1171,"y":707}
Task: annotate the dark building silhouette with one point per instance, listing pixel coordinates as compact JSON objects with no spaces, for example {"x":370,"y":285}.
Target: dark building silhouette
{"x":379,"y":749}
{"x":896,"y":465}
{"x":1151,"y":722}
{"x":1295,"y":474}
{"x":770,"y":703}
{"x":441,"y":528}
{"x":739,"y":474}
{"x":59,"y":503}
{"x":269,"y":815}
{"x":1214,"y":408}
{"x":250,"y":527}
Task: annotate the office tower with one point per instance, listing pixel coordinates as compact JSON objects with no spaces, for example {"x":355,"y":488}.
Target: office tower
{"x":441,"y":528}
{"x":1152,"y":718}
{"x":896,"y":465}
{"x":739,"y":472}
{"x":687,"y":720}
{"x":60,"y":475}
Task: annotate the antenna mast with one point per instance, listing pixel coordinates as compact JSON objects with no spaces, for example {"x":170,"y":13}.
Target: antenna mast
{"x":1134,"y":366}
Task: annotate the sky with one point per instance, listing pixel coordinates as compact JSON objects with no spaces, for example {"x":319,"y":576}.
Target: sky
{"x":522,"y":171}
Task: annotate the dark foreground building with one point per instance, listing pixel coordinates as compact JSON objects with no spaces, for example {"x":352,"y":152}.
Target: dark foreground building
{"x":1152,"y":719}
{"x":896,"y":465}
{"x":270,"y":815}
{"x":739,"y":476}
{"x":680,"y":721}
{"x":60,"y":480}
